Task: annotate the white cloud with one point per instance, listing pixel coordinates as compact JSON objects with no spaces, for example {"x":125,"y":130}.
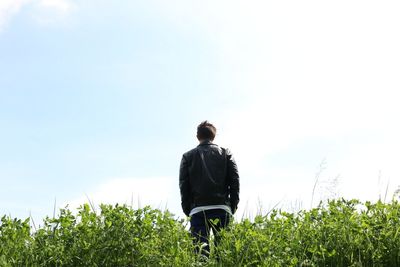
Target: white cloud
{"x":44,"y":11}
{"x":159,"y":192}
{"x":63,"y":6}
{"x":302,"y":68}
{"x":50,"y":12}
{"x":8,"y":8}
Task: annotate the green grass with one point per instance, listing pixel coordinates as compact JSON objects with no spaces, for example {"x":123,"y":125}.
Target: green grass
{"x":336,"y":233}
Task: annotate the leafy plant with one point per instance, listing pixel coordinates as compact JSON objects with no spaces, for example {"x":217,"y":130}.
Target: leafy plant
{"x":336,"y":233}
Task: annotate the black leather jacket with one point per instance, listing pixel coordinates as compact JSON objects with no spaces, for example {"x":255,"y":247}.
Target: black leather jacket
{"x":208,"y":176}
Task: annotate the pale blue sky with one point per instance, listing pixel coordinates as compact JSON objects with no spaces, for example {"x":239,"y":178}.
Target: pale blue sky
{"x":103,"y":98}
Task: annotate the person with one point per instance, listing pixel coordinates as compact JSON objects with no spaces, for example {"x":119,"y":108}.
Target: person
{"x":209,"y":187}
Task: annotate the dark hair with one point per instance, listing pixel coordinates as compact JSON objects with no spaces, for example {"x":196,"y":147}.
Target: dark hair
{"x":206,"y":131}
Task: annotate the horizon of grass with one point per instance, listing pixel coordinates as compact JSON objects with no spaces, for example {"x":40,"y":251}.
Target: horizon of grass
{"x":337,"y":232}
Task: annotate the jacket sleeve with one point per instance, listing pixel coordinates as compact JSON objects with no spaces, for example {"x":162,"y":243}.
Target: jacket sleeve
{"x":184,"y":186}
{"x":233,"y":181}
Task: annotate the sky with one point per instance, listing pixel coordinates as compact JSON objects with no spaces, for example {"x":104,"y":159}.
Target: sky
{"x":100,"y":99}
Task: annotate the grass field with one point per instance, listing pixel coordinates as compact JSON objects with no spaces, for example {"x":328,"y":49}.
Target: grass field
{"x":336,"y":233}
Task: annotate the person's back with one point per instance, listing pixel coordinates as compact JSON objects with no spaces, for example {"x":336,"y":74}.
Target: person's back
{"x":209,"y":184}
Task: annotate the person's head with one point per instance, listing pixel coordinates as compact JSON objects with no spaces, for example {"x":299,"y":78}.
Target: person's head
{"x":206,"y":131}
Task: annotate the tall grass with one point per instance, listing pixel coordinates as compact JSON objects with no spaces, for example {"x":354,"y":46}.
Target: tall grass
{"x":336,"y":233}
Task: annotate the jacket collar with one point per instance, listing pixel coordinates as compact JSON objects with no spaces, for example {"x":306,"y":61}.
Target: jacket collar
{"x":206,"y":142}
